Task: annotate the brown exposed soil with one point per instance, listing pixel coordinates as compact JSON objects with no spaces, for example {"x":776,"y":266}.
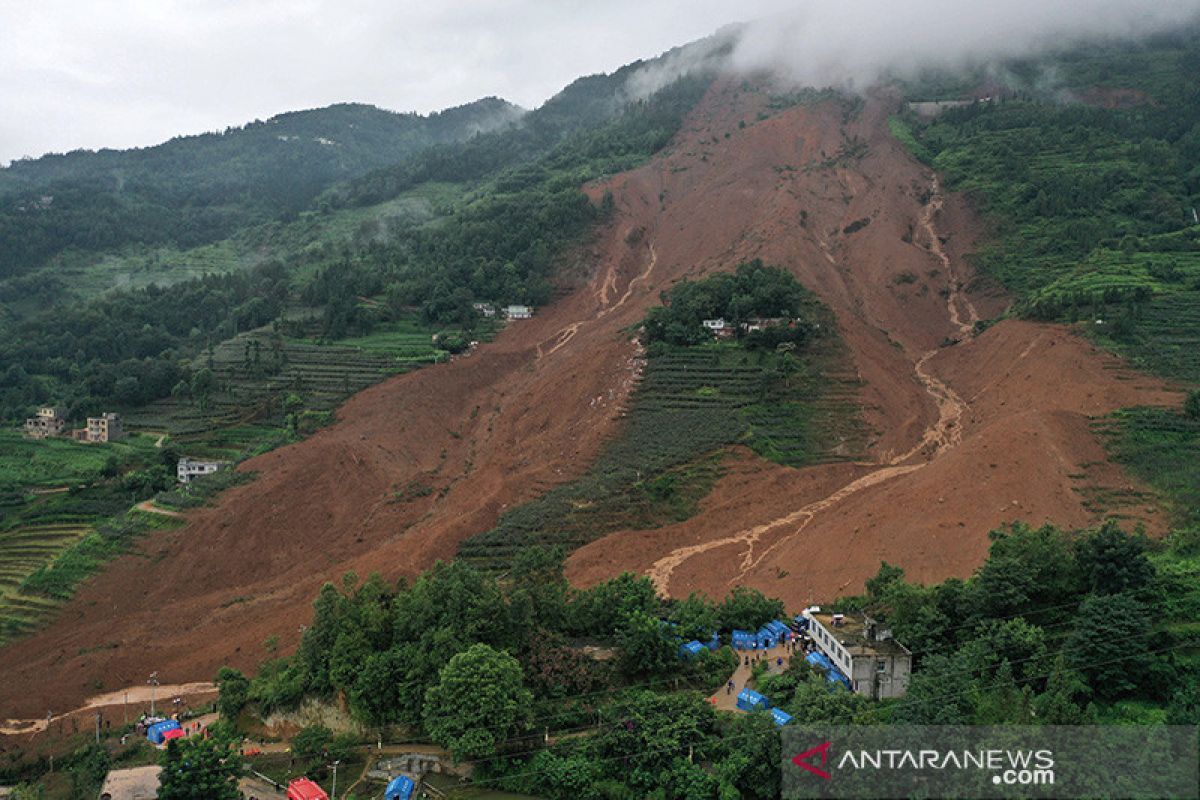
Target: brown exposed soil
{"x":966,"y":436}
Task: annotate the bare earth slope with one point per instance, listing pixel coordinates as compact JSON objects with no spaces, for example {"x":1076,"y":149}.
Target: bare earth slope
{"x":967,"y":436}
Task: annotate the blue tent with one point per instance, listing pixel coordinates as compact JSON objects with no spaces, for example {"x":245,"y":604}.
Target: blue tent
{"x":832,"y":673}
{"x":780,"y":716}
{"x":801,"y":622}
{"x":155,"y":732}
{"x":819,"y":660}
{"x":691,"y":649}
{"x":714,"y":643}
{"x":765,"y":637}
{"x":400,"y":788}
{"x":835,"y":676}
{"x":780,"y":632}
{"x":750,"y":700}
{"x":742,"y":639}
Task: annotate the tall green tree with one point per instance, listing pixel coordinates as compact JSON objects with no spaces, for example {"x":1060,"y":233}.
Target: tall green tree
{"x":199,"y":769}
{"x":478,"y":703}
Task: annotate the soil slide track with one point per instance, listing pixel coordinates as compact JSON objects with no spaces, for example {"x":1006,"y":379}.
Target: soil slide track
{"x":419,"y":462}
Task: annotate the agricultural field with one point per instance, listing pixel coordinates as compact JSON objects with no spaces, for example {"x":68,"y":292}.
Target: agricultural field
{"x":255,"y":373}
{"x":1163,"y":335}
{"x":691,"y":403}
{"x":1162,"y":447}
{"x":57,"y":462}
{"x":42,"y":565}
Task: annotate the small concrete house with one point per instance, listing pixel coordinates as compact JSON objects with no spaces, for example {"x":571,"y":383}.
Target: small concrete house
{"x":518,"y":312}
{"x":188,"y":470}
{"x":49,"y":421}
{"x":104,"y":428}
{"x":484,"y":309}
{"x":864,"y":651}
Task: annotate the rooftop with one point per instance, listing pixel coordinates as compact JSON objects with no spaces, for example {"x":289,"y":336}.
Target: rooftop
{"x":852,"y":633}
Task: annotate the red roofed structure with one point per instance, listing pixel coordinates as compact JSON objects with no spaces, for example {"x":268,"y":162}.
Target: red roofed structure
{"x":304,"y":789}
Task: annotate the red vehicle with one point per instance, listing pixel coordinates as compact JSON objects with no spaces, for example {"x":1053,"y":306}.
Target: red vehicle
{"x":304,"y":789}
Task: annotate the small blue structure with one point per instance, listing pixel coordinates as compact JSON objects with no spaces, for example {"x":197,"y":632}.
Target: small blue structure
{"x":400,"y":788}
{"x":155,"y":732}
{"x":691,"y":649}
{"x":835,"y":676}
{"x":780,"y":717}
{"x":801,"y":622}
{"x":765,"y":638}
{"x":819,"y":660}
{"x":742,"y":640}
{"x":832,"y":673}
{"x":750,"y":700}
{"x":714,"y":643}
{"x":780,"y":630}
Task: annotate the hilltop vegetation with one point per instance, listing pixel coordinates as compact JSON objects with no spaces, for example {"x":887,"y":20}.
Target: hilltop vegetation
{"x":1093,"y":206}
{"x":196,"y":189}
{"x":751,"y":291}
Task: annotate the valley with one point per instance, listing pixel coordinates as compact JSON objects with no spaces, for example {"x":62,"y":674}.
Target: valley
{"x":967,"y":430}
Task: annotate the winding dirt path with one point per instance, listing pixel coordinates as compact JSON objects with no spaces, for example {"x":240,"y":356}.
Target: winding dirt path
{"x":149,"y":507}
{"x":565,"y":335}
{"x":942,"y":435}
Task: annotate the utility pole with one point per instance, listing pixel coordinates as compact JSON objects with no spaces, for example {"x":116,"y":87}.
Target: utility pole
{"x":153,"y":689}
{"x":97,"y":727}
{"x":333,"y":794}
{"x":125,"y":707}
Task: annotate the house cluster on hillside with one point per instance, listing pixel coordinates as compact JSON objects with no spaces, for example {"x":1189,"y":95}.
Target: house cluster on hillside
{"x":508,"y":312}
{"x":51,"y":422}
{"x":725,"y":330}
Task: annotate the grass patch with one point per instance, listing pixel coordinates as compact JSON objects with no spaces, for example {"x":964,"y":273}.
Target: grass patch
{"x":42,"y":463}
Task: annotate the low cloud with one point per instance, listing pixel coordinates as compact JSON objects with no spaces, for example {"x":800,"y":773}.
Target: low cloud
{"x":852,"y":45}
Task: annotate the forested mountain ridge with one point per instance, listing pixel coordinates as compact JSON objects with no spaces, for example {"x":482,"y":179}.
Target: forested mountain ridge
{"x":195,"y":189}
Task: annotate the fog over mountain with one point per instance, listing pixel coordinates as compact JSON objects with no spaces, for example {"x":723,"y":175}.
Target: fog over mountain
{"x":131,"y":73}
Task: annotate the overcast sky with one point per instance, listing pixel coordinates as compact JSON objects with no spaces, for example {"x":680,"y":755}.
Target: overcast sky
{"x":122,"y":73}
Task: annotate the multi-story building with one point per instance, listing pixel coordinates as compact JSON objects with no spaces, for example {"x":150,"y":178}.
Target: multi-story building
{"x":863,"y":650}
{"x":49,"y":421}
{"x":105,"y":428}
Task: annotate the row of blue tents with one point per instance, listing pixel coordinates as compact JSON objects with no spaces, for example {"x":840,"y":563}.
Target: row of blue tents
{"x":769,"y":635}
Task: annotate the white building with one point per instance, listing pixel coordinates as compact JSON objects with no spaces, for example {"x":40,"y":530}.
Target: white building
{"x":518,"y":312}
{"x":484,"y":309}
{"x":188,"y":470}
{"x":717,"y":324}
{"x":877,"y":665}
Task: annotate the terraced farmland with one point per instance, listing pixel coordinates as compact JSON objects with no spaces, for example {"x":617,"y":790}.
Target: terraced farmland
{"x":256,"y":370}
{"x":1166,"y":338}
{"x":689,"y":405}
{"x":22,"y":552}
